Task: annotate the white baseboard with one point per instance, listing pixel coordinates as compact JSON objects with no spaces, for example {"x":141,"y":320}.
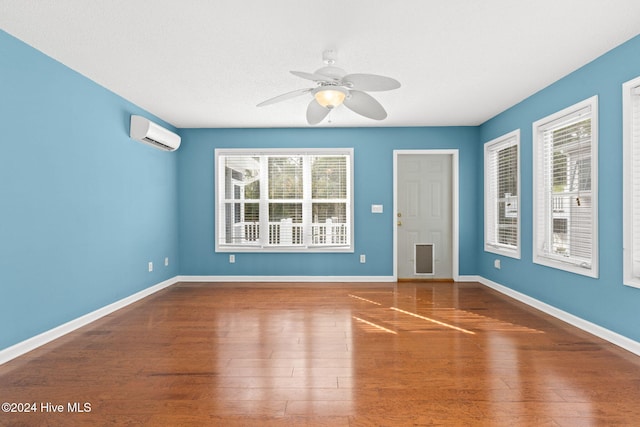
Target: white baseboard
{"x":606,"y":334}
{"x":349,"y":279}
{"x":50,"y":335}
{"x":34,"y":342}
{"x":468,"y":279}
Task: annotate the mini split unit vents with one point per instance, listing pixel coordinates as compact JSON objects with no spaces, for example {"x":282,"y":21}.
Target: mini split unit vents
{"x":151,"y":133}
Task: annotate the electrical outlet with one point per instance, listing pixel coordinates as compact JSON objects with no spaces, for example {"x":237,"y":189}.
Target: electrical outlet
{"x":363,"y":258}
{"x":232,"y":259}
{"x":496,"y":263}
{"x":166,"y":261}
{"x":150,"y":266}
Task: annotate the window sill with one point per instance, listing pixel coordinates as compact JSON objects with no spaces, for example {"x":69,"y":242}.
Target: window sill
{"x":508,"y":252}
{"x":284,"y":249}
{"x":566,"y":266}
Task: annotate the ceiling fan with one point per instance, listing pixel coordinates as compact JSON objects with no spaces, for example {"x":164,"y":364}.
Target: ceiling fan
{"x":334,"y":87}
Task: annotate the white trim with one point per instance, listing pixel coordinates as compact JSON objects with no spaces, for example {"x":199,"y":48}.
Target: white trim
{"x":600,"y":332}
{"x":263,"y":246}
{"x":286,"y":279}
{"x":547,"y":259}
{"x":494,"y":146}
{"x":32,"y":343}
{"x":628,"y":233}
{"x":455,"y":206}
{"x":469,"y":278}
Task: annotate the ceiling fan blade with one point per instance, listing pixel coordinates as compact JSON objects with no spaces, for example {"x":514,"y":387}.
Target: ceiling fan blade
{"x":316,"y":112}
{"x":311,"y":76}
{"x":370,"y":82}
{"x":285,"y":96}
{"x":365,"y":105}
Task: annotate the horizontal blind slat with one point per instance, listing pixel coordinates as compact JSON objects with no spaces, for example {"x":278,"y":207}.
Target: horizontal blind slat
{"x":564,"y":219}
{"x":501,"y":191}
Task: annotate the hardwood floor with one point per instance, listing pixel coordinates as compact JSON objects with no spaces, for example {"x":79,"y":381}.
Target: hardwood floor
{"x":325,"y":354}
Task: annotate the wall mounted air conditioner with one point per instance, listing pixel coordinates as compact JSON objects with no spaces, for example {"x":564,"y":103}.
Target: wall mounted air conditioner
{"x":146,"y":131}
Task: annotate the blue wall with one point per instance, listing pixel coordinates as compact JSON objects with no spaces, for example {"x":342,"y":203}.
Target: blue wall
{"x":604,"y":301}
{"x":82,"y":207}
{"x":373,"y":183}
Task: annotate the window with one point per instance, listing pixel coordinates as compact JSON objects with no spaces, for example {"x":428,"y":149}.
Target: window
{"x":565,"y":226}
{"x":284,"y":200}
{"x":502,"y":195}
{"x":631,"y":185}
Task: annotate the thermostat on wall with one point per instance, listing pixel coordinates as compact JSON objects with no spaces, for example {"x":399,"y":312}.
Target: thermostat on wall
{"x":376,"y":208}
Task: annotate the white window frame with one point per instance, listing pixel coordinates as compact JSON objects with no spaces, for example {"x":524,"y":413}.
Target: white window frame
{"x":308,"y":244}
{"x":543,"y":199}
{"x":631,"y":182}
{"x":492,"y":199}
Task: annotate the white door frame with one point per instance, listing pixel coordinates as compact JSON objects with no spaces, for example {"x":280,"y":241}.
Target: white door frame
{"x":454,"y":208}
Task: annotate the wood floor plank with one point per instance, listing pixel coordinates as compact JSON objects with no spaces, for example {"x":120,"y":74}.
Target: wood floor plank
{"x":239,"y":354}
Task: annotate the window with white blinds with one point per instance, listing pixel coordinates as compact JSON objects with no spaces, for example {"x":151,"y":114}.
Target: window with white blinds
{"x":631,"y":184}
{"x":502,"y":195}
{"x":284,"y":200}
{"x":565,"y":226}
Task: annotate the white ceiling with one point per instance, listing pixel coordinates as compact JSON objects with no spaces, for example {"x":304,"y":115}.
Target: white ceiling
{"x":207,"y":63}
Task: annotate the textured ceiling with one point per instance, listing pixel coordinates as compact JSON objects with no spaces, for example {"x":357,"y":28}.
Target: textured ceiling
{"x":207,"y":63}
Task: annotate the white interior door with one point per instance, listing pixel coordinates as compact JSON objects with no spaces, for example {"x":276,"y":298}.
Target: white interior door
{"x":424,"y":212}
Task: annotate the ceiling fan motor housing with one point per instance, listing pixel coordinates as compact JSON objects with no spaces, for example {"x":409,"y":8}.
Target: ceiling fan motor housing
{"x":332,"y":72}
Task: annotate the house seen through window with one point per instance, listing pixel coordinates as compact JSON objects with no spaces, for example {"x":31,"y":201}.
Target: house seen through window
{"x":502,"y":189}
{"x":284,"y":200}
{"x":565,"y":188}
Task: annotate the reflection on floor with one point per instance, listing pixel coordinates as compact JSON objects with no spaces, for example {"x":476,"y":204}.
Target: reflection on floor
{"x":325,"y":354}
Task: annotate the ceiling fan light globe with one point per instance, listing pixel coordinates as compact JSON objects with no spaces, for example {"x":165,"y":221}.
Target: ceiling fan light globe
{"x":330,"y":97}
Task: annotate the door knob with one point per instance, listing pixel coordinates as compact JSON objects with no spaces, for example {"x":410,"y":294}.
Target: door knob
{"x":399,"y":223}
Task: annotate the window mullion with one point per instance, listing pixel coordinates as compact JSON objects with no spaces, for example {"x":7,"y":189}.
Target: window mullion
{"x":264,"y":201}
{"x":225,"y":211}
{"x":306,"y":200}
